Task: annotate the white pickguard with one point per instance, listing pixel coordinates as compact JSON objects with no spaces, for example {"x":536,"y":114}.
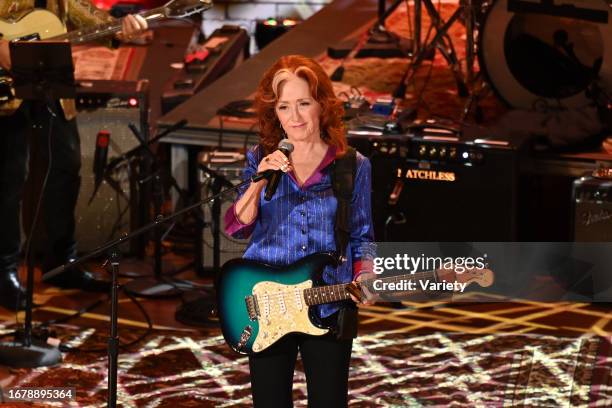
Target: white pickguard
{"x":282,"y":310}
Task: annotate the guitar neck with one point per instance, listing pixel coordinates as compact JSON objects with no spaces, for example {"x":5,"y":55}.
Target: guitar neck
{"x":334,"y":293}
{"x":105,"y":30}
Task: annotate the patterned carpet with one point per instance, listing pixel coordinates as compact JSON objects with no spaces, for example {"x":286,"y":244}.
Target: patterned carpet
{"x":497,"y":354}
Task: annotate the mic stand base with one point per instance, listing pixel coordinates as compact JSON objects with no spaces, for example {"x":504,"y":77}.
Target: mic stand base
{"x":385,"y":44}
{"x":144,"y":268}
{"x":377,"y":46}
{"x":163,"y":287}
{"x":200,"y":311}
{"x":36,"y":355}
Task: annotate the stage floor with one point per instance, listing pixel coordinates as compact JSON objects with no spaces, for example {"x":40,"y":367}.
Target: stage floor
{"x":520,"y":353}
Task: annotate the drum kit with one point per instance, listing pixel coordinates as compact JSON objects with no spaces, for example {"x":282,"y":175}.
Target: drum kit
{"x":535,"y":53}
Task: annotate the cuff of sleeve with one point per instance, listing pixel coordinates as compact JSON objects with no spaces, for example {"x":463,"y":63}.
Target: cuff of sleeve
{"x":234,"y":226}
{"x":362,"y":266}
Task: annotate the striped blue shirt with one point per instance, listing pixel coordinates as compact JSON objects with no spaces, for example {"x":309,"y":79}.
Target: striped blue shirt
{"x":299,"y":221}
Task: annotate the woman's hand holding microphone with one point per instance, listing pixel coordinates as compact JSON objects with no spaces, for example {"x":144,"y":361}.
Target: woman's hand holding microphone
{"x":275,"y":161}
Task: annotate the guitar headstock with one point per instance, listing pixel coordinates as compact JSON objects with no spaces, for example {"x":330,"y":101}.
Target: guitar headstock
{"x":484,"y":277}
{"x":185,"y":8}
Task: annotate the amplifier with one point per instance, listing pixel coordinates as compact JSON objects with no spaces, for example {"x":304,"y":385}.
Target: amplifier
{"x":229,"y":165}
{"x":440,"y":187}
{"x":118,"y":208}
{"x":592,"y":201}
{"x":223,"y":50}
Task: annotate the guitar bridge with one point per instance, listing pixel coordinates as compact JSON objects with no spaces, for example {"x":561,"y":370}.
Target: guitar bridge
{"x":252,"y":307}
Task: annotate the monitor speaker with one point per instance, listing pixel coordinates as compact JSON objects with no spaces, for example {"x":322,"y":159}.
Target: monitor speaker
{"x":592,"y":200}
{"x":117,"y":207}
{"x":229,"y":165}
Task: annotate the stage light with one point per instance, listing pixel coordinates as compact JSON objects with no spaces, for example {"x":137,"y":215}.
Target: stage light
{"x":271,"y":22}
{"x":270,"y":29}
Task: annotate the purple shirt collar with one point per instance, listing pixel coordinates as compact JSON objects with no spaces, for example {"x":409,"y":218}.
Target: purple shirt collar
{"x":317,"y":175}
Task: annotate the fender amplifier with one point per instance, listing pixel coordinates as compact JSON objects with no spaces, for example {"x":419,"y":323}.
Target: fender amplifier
{"x":229,"y":165}
{"x":115,"y":208}
{"x":440,"y":187}
{"x":592,"y":201}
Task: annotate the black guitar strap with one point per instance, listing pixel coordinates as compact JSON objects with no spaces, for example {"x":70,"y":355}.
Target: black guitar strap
{"x":41,"y":4}
{"x":343,"y":181}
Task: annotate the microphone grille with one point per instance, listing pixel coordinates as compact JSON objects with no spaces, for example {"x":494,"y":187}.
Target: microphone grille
{"x":285,"y":145}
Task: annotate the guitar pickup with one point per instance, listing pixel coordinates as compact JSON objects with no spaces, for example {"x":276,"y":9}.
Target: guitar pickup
{"x":252,"y":307}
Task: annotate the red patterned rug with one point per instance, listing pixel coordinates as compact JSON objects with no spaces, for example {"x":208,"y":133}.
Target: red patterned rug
{"x":389,"y":368}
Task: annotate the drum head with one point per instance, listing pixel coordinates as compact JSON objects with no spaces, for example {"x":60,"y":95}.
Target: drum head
{"x":534,"y":57}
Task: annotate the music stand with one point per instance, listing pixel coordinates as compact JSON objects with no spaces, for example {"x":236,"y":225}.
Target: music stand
{"x":41,"y":71}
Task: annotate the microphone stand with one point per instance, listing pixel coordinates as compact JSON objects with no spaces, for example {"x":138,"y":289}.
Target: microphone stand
{"x":206,"y":305}
{"x":158,"y":285}
{"x":112,"y":248}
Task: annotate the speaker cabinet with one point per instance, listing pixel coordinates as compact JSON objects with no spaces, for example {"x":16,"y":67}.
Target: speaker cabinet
{"x":592,"y":200}
{"x":117,"y":207}
{"x":433,"y":188}
{"x":229,"y":165}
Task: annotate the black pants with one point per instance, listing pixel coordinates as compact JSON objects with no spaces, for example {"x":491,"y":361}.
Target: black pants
{"x":326,"y":365}
{"x":23,"y":133}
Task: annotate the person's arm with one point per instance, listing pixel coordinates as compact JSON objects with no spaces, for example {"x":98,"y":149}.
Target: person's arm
{"x":83,"y":14}
{"x":362,"y":246}
{"x":5,"y":56}
{"x":240,"y":217}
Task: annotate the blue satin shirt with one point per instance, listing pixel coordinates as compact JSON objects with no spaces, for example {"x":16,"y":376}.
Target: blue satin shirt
{"x":299,"y":221}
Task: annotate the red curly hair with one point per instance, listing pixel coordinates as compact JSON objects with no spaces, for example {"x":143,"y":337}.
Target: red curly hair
{"x":332,"y":109}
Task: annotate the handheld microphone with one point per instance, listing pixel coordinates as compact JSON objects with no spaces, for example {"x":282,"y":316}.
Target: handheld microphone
{"x":286,"y":147}
{"x":100,"y":159}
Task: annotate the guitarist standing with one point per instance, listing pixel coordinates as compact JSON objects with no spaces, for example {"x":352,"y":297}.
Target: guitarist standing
{"x":60,"y":145}
{"x":295,"y":100}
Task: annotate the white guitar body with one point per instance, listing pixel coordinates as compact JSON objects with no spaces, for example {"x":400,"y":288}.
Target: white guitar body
{"x":41,"y":22}
{"x":283,"y":310}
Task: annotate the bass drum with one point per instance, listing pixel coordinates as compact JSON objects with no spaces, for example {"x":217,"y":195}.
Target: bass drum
{"x":535,"y":52}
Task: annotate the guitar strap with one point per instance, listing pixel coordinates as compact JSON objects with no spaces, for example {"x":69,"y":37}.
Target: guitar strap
{"x":40,"y":4}
{"x":343,"y":181}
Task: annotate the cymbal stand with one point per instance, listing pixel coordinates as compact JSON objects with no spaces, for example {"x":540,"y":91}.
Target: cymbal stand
{"x":441,"y":42}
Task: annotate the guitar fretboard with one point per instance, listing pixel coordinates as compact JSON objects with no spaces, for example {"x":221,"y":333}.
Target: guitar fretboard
{"x":104,"y":30}
{"x":335,"y":293}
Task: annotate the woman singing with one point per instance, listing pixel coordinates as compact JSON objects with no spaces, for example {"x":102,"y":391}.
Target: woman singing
{"x":295,"y":100}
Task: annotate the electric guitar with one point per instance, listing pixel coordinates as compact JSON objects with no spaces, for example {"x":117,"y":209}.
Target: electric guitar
{"x":259,"y":304}
{"x":41,"y":24}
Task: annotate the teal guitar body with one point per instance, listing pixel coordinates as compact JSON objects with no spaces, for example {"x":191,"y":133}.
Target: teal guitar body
{"x":258,"y":304}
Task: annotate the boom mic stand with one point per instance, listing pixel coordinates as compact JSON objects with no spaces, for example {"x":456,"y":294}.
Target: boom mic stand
{"x":111,"y":247}
{"x":41,"y":72}
{"x":202,"y":310}
{"x":157,"y":285}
